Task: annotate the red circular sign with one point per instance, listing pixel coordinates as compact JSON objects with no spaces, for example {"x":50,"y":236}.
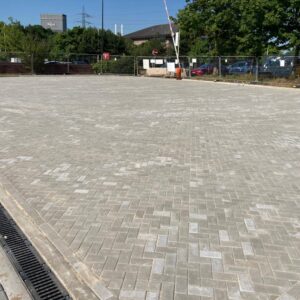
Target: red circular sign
{"x":154,"y":52}
{"x":106,"y":56}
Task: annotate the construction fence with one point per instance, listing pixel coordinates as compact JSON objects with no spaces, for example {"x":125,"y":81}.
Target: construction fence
{"x":229,"y":68}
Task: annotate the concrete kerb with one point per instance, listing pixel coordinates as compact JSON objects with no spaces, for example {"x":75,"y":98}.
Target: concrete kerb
{"x":75,"y":276}
{"x":3,"y":295}
{"x":254,"y":85}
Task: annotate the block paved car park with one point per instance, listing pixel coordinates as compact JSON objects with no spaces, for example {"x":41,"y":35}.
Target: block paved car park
{"x":154,"y":188}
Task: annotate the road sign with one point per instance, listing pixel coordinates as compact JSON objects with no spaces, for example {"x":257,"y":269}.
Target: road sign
{"x":106,"y":56}
{"x":154,"y":52}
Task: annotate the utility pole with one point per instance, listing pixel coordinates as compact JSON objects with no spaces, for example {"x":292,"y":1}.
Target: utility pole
{"x":83,"y":18}
{"x":4,"y":37}
{"x":102,"y":27}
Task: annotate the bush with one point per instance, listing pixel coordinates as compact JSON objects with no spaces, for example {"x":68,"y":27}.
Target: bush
{"x":3,"y":57}
{"x":120,"y":65}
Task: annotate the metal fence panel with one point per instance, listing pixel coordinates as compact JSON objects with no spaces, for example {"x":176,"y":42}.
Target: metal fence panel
{"x":204,"y":67}
{"x":82,"y":63}
{"x":278,"y":66}
{"x":268,"y":69}
{"x":16,"y":63}
{"x":73,"y":64}
{"x":151,"y":66}
{"x":161,"y":66}
{"x":240,"y":68}
{"x":117,"y":65}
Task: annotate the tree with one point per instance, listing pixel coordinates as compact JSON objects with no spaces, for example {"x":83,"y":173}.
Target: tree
{"x":216,"y":21}
{"x":258,"y":26}
{"x":289,"y":31}
{"x":240,"y":27}
{"x":87,"y":41}
{"x":11,"y":35}
{"x":146,"y":48}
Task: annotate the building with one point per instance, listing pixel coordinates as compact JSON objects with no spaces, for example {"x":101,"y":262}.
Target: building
{"x":57,"y":23}
{"x":154,"y":32}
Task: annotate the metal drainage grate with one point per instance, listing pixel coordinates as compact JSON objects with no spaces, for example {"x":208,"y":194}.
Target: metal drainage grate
{"x":40,"y":281}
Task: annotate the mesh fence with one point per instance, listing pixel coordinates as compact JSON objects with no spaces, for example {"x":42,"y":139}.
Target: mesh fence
{"x":242,"y":68}
{"x":161,"y":66}
{"x":67,"y":64}
{"x":278,"y":66}
{"x":16,"y":63}
{"x":82,"y":63}
{"x":51,"y":64}
{"x":204,"y":66}
{"x":116,"y":64}
{"x":267,"y":69}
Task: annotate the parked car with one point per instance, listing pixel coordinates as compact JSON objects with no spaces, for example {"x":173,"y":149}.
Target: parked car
{"x":278,"y":66}
{"x":52,"y":62}
{"x":203,"y":69}
{"x":197,"y":72}
{"x":240,"y":67}
{"x":207,"y":68}
{"x":80,"y":62}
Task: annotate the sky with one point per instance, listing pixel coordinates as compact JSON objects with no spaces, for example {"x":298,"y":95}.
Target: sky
{"x":133,"y":14}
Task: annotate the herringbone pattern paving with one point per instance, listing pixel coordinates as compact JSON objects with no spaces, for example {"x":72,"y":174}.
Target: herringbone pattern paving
{"x":166,"y":190}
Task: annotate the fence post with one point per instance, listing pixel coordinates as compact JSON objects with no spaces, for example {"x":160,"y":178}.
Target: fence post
{"x":101,"y":64}
{"x":137,"y":66}
{"x":257,"y":71}
{"x":32,"y":64}
{"x":190,"y":75}
{"x":68,"y":64}
{"x":133,"y":65}
{"x":220,"y":66}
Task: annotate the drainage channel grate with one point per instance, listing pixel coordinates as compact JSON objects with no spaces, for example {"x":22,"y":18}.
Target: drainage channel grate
{"x":40,"y":281}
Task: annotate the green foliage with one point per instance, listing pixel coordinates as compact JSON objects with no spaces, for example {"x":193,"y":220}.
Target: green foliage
{"x":200,"y":48}
{"x":11,"y":36}
{"x":213,"y":20}
{"x":16,"y":38}
{"x":240,"y":27}
{"x":25,"y":42}
{"x":208,"y":27}
{"x":118,"y":65}
{"x":146,"y":48}
{"x":88,"y":41}
{"x":4,"y":56}
{"x":289,"y":29}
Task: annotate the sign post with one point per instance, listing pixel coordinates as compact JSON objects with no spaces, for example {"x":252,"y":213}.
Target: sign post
{"x":155,"y":53}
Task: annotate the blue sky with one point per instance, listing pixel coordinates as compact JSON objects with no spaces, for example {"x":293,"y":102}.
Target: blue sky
{"x":134,"y":14}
